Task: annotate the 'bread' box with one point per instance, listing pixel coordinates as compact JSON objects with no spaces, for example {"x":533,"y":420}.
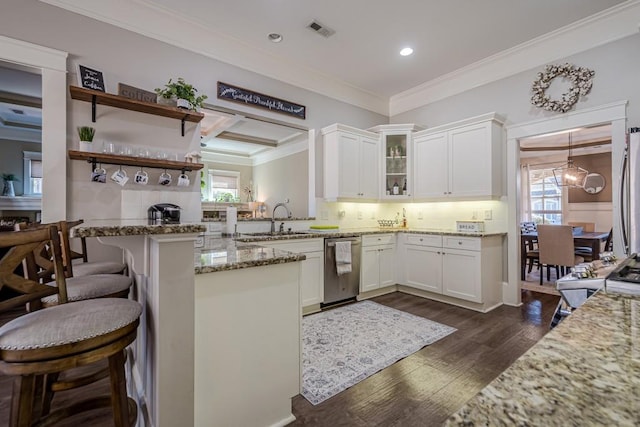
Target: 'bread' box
{"x":470,"y":226}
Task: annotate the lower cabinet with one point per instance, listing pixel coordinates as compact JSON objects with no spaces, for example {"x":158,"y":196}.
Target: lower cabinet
{"x":312,"y":288}
{"x":377,"y":262}
{"x":465,"y":268}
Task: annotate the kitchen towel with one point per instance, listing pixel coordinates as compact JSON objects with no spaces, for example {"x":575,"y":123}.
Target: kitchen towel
{"x":343,"y":257}
{"x":232,"y":219}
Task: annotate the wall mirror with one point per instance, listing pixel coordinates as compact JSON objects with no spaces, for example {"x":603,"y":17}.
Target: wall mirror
{"x":594,"y":183}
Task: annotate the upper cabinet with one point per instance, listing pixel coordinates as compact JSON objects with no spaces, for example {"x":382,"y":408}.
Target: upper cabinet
{"x":351,"y":163}
{"x":396,"y":168}
{"x":461,"y":160}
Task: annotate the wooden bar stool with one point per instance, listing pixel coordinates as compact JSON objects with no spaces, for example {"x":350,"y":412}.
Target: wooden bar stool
{"x":86,"y":267}
{"x":51,"y":340}
{"x":78,"y":288}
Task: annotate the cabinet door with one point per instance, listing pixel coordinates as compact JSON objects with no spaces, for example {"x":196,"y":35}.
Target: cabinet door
{"x":424,"y":268}
{"x":369,"y":269}
{"x":349,"y":159}
{"x":312,"y":288}
{"x":461,"y":274}
{"x":470,"y":166}
{"x":430,"y":168}
{"x":369,"y":168}
{"x":386,"y":265}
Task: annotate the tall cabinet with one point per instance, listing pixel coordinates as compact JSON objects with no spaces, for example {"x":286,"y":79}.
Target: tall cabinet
{"x":351,"y":159}
{"x":461,"y":159}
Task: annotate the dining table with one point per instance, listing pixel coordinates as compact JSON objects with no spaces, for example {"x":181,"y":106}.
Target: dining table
{"x":591,"y":239}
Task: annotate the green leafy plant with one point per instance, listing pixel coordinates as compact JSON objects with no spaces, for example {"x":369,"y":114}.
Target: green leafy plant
{"x":182,"y":90}
{"x":9,"y":177}
{"x":86,"y":133}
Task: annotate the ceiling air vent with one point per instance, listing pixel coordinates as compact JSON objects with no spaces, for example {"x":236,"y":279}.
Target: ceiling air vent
{"x":18,"y":112}
{"x":323,"y":30}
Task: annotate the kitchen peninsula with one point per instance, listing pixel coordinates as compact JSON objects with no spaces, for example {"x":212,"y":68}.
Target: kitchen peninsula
{"x":206,"y":342}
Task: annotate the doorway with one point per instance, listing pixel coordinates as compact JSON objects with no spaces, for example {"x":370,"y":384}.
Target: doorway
{"x":613,"y":114}
{"x":51,"y":65}
{"x":547,"y":199}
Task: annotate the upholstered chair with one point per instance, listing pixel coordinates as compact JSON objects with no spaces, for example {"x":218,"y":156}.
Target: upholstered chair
{"x":555,"y":243}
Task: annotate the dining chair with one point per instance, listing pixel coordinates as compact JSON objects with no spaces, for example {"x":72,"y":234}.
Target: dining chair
{"x":556,"y":247}
{"x":528,"y":248}
{"x":41,"y":344}
{"x":588,"y":227}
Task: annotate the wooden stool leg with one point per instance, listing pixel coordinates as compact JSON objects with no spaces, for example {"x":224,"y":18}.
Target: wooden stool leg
{"x":119,"y":399}
{"x":47,"y":397}
{"x":22,"y":400}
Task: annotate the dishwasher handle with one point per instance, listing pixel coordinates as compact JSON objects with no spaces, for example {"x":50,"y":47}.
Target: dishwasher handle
{"x":332,"y":243}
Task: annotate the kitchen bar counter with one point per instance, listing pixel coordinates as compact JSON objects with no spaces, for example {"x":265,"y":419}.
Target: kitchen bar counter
{"x":226,"y":254}
{"x":111,"y":228}
{"x":584,"y":372}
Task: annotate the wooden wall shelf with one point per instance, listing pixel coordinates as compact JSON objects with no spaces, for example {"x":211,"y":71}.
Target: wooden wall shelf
{"x":96,"y":97}
{"x":115,"y":159}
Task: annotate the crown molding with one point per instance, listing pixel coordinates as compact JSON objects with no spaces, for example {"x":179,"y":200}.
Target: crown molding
{"x":142,"y":17}
{"x":607,"y":26}
{"x":32,"y":55}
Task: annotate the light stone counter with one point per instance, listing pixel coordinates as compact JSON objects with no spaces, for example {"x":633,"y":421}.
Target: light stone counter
{"x":585,"y":372}
{"x":111,"y":228}
{"x":226,"y":254}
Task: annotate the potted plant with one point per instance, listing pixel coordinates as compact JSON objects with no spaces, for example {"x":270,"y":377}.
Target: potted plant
{"x":8,"y":189}
{"x":86,"y":134}
{"x":182,"y":93}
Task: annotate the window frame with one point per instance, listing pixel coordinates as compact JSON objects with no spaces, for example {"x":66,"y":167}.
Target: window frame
{"x":557,"y":198}
{"x":27,"y":157}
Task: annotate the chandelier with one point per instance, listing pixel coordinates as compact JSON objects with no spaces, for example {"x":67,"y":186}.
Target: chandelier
{"x":570,"y":175}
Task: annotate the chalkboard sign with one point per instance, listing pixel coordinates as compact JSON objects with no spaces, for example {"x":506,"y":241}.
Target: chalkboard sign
{"x":90,"y":79}
{"x":244,"y":96}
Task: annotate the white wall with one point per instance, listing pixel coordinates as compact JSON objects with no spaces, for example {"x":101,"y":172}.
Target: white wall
{"x":281,"y":179}
{"x":11,"y":160}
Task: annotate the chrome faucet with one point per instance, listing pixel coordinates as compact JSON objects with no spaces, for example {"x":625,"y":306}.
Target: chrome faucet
{"x":273,"y":217}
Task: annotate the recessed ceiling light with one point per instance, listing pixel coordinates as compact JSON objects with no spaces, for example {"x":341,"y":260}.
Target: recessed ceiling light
{"x":275,"y":37}
{"x":406,"y":51}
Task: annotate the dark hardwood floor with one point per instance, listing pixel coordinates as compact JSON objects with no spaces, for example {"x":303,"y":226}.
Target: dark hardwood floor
{"x":426,"y":387}
{"x":420,"y":390}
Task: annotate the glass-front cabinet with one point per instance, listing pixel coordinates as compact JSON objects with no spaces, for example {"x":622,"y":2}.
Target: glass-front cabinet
{"x":397,"y":174}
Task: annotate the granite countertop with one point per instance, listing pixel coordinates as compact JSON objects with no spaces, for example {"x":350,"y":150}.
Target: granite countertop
{"x":104,"y":228}
{"x":358,"y":232}
{"x":226,"y":254}
{"x":586,"y":371}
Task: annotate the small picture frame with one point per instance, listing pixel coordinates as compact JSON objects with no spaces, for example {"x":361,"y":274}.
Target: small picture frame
{"x":89,"y":78}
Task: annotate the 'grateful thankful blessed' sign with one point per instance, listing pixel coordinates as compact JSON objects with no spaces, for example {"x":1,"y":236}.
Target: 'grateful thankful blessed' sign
{"x":244,"y":96}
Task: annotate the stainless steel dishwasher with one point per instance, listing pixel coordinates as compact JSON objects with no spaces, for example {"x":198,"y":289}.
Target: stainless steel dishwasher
{"x":345,"y":286}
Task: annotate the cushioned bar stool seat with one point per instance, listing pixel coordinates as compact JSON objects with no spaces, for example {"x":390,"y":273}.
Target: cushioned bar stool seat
{"x":90,"y":287}
{"x":98,"y":267}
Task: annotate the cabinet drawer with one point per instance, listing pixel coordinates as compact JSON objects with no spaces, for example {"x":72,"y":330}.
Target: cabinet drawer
{"x":424,"y":240}
{"x":468,"y":243}
{"x":378,"y":239}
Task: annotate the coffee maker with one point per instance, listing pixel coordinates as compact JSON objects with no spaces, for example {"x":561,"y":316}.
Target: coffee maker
{"x":164,"y":213}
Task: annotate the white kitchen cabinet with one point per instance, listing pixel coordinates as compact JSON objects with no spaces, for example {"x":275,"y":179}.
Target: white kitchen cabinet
{"x":351,"y":163}
{"x":377,"y":262}
{"x":396,"y":166}
{"x":312,"y":268}
{"x":463,"y":268}
{"x":461,"y":160}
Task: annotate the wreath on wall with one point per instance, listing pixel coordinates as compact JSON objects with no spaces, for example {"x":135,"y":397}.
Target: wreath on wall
{"x":580,"y":86}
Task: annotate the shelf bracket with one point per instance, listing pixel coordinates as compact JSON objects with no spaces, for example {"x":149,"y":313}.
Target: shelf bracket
{"x":93,"y":108}
{"x":184,"y":119}
{"x":93,"y":162}
{"x":184,"y":171}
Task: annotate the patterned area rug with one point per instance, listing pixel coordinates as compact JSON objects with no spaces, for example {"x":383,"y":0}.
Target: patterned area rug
{"x":343,"y":346}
